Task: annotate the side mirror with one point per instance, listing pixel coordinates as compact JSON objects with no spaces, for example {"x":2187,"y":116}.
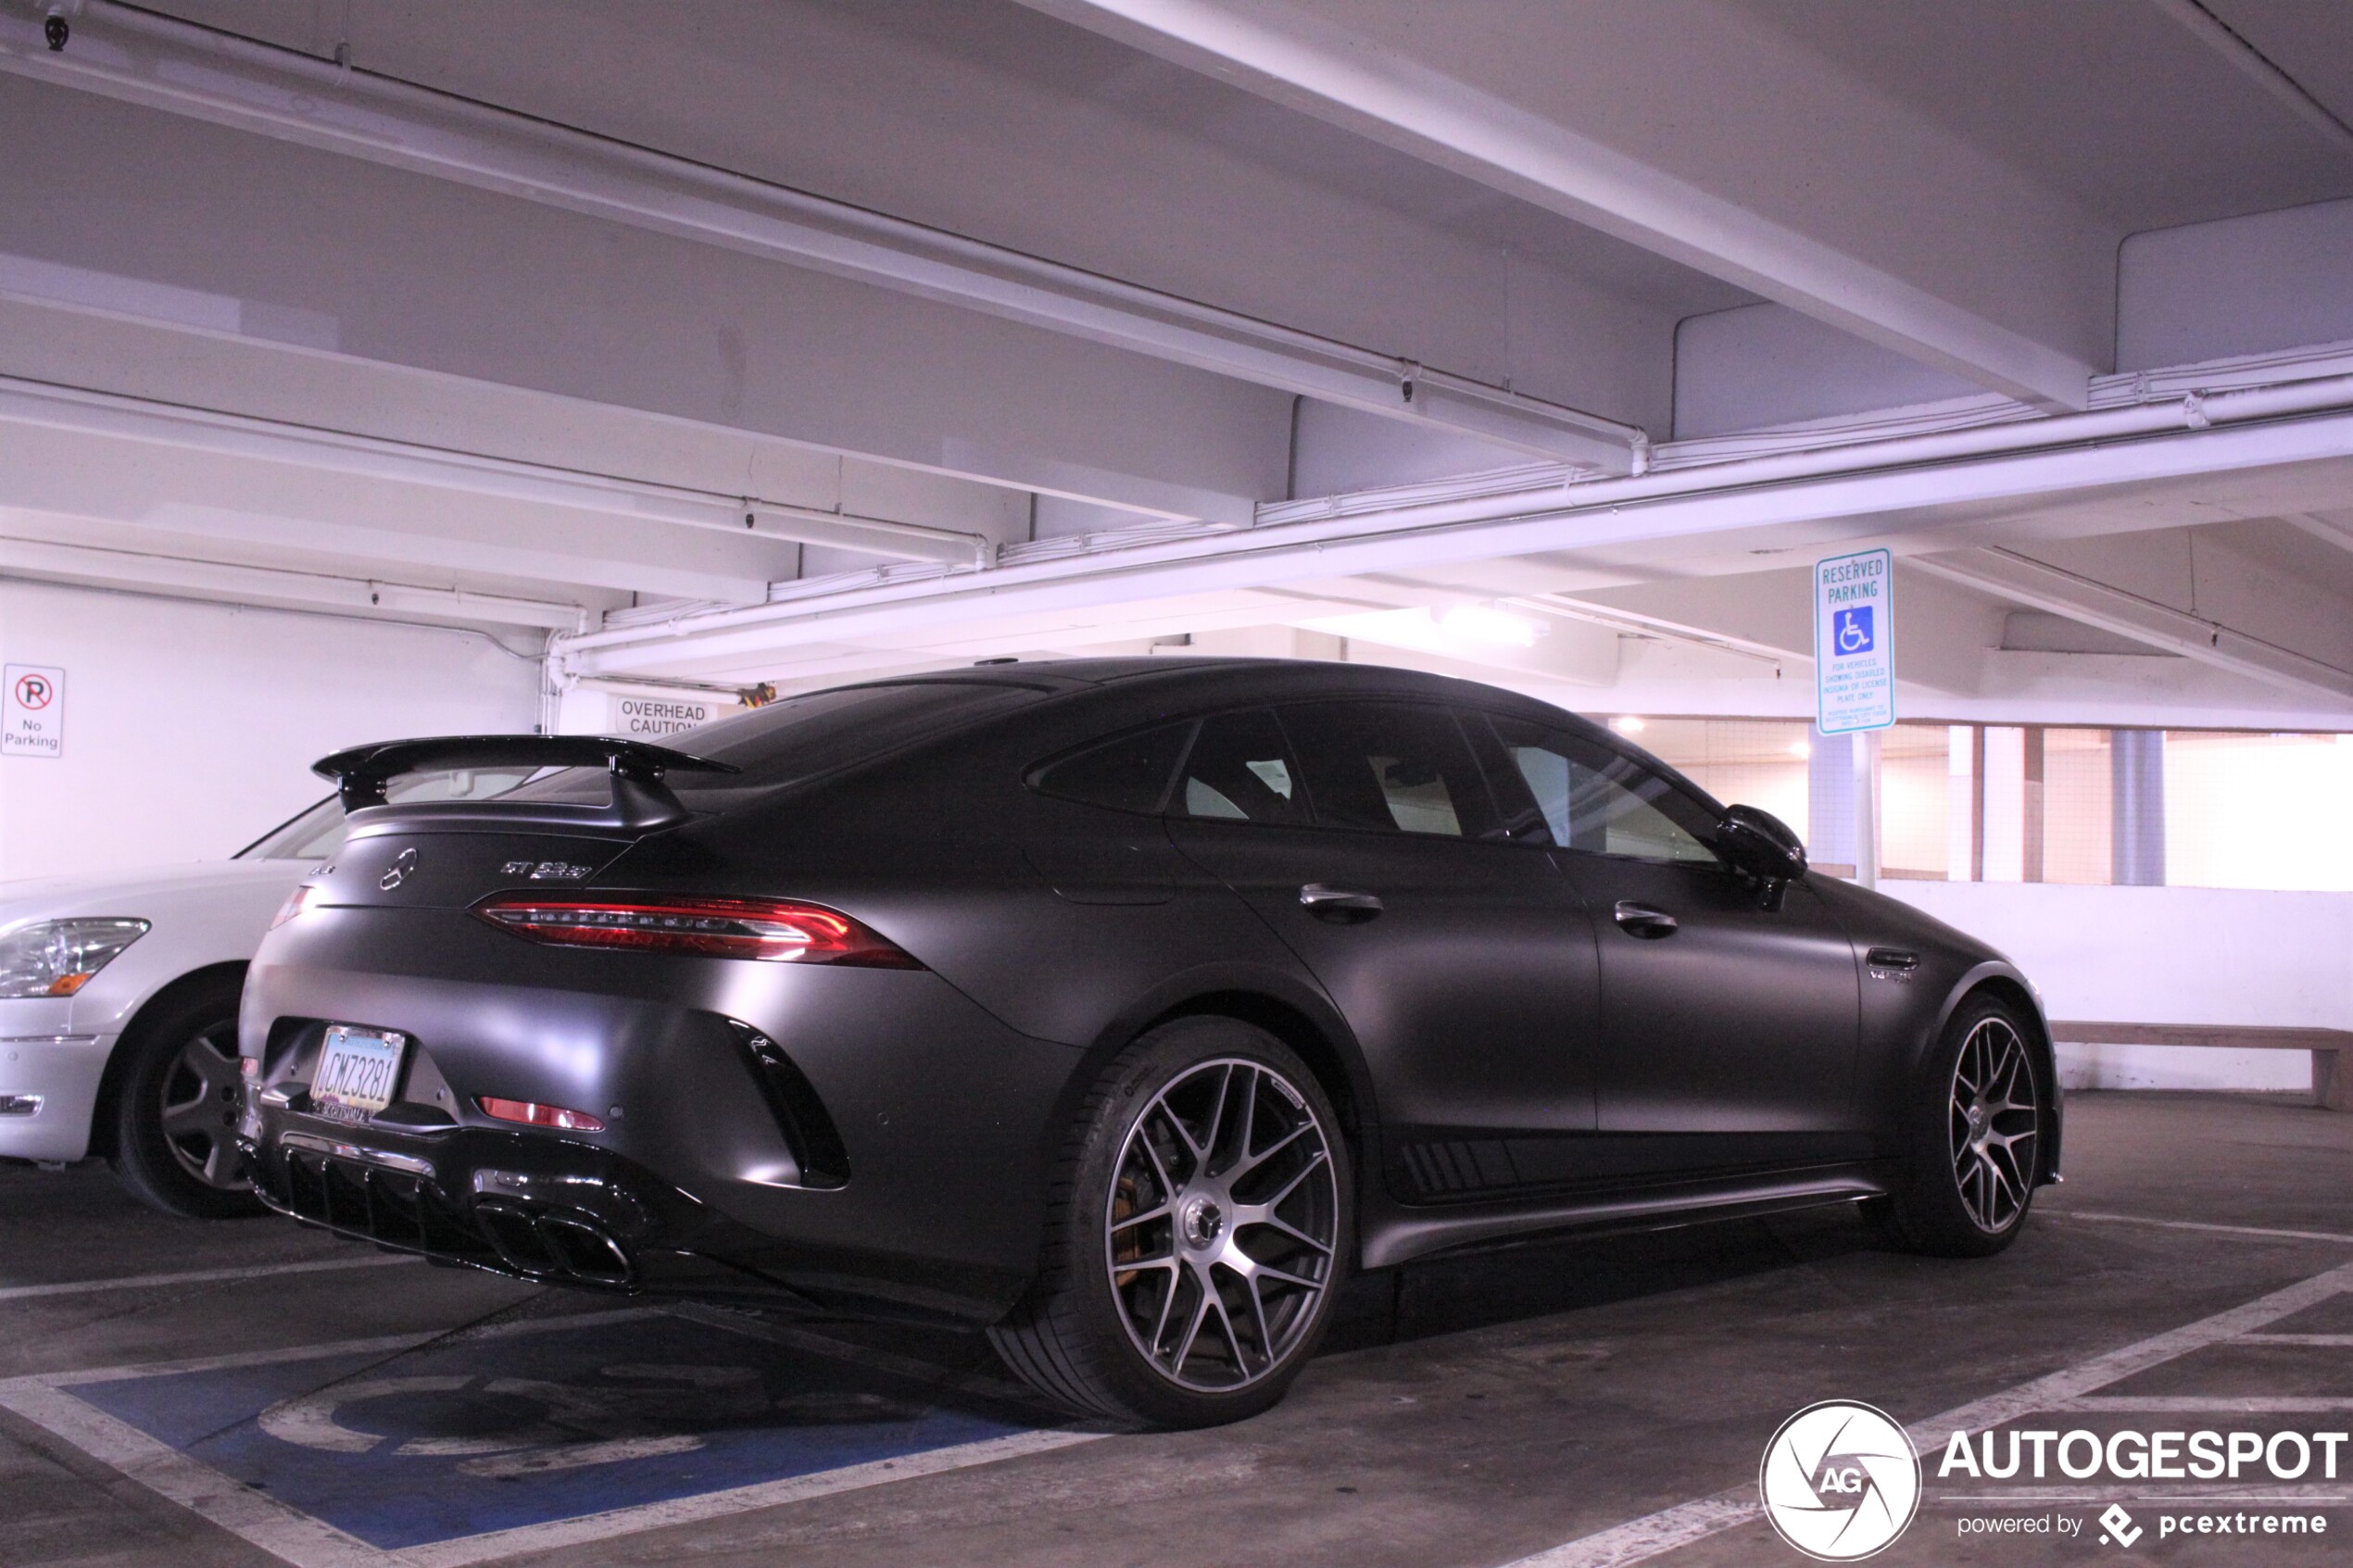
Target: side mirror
{"x":1760,"y":846}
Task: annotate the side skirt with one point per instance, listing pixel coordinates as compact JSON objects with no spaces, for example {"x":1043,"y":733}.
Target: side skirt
{"x":1398,"y":1234}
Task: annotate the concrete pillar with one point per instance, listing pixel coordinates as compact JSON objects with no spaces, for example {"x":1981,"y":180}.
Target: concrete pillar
{"x":2003,"y":784}
{"x":1964,"y":804}
{"x":2137,"y":808}
{"x":2030,"y":805}
{"x":1830,"y":804}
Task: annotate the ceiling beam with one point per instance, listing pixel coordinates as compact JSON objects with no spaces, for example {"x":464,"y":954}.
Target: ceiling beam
{"x":2320,"y":526}
{"x":88,"y":566}
{"x":2260,"y":68}
{"x":1283,"y":53}
{"x":2038,"y":585}
{"x":159,"y":62}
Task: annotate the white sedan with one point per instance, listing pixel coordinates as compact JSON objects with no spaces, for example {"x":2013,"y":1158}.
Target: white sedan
{"x":119,"y":1006}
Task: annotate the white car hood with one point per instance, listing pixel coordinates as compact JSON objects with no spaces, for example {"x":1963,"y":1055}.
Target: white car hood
{"x":126,"y":892}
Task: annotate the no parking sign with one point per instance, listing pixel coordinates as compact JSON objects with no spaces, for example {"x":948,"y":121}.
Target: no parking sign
{"x":1854,"y":643}
{"x":34,"y":723}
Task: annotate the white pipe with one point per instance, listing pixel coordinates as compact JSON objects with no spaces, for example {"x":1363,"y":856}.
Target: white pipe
{"x":163,"y":63}
{"x":49,"y":559}
{"x":47,"y":406}
{"x":1320,"y":536}
{"x":2193,"y":412}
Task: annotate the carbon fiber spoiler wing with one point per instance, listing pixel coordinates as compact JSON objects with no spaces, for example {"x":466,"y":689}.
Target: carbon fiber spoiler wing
{"x":640,"y":799}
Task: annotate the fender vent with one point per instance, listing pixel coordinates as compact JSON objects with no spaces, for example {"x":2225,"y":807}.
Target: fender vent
{"x":792,"y":1099}
{"x":1473,"y":1165}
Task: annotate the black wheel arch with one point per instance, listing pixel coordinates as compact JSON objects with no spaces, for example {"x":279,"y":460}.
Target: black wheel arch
{"x":2001,"y":981}
{"x":1295,"y":1013}
{"x":103,"y":1118}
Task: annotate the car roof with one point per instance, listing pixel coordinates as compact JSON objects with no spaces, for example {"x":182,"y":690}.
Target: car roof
{"x":1305,"y":676}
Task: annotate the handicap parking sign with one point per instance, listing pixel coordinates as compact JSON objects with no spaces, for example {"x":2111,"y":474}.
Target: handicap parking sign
{"x":1851,"y":632}
{"x":1854,"y":643}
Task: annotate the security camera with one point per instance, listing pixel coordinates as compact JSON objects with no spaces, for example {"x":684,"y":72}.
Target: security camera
{"x":56,"y":31}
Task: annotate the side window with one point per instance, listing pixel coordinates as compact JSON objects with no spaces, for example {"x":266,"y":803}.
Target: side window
{"x":1579,"y":793}
{"x":1240,"y":771}
{"x":1390,"y":767}
{"x":1127,"y":774}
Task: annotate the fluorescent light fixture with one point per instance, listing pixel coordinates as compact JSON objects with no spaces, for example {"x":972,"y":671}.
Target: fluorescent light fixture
{"x":1626,"y":725}
{"x":1483,"y":624}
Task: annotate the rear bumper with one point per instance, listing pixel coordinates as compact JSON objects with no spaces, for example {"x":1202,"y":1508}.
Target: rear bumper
{"x":703,"y":1182}
{"x":544,"y":1210}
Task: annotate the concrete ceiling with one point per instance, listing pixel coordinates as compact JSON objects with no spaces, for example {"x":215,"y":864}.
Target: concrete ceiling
{"x":510,"y":315}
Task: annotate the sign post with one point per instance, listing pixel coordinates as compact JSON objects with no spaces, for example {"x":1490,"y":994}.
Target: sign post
{"x":1854,"y":677}
{"x":34,"y":722}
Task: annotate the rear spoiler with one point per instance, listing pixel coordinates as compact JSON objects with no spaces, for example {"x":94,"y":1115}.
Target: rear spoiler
{"x":640,"y":799}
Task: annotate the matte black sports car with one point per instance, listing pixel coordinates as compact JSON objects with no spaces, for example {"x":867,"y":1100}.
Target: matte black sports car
{"x":1119,"y":1007}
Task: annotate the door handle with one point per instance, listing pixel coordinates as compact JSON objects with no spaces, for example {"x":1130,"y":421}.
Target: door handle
{"x":1640,"y":920}
{"x":1338,"y":904}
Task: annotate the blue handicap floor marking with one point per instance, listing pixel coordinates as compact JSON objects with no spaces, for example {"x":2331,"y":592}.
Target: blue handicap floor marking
{"x":470,"y":1434}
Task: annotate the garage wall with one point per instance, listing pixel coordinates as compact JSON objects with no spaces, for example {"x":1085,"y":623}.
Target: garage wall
{"x":189,"y":728}
{"x":2167,"y":955}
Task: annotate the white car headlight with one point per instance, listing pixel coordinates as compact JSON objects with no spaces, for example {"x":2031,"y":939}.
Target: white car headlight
{"x":56,"y":957}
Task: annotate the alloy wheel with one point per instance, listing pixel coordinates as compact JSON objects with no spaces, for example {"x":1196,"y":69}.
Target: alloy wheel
{"x":1995,"y":1119}
{"x":199,"y":1109}
{"x":1222,"y":1224}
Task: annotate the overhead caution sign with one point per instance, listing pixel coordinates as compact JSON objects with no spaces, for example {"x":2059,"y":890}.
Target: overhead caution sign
{"x":1854,"y":643}
{"x":640,"y":717}
{"x":35,"y":714}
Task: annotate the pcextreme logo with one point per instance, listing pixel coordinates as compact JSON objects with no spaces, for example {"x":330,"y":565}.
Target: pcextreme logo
{"x":1840,"y":1481}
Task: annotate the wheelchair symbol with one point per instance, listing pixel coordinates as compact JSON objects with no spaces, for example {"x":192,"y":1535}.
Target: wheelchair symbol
{"x":1851,"y":632}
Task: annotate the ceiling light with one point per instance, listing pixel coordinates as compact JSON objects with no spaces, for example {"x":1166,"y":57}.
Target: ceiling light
{"x":1482,"y":623}
{"x":1800,"y":750}
{"x":1626,"y":725}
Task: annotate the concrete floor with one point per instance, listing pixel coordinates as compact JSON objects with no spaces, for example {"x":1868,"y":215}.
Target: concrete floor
{"x":1473,"y":1412}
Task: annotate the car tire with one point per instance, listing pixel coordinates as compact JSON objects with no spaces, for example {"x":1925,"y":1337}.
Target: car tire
{"x":1198,"y":1230}
{"x":1974,"y":1138}
{"x":175,"y":1109}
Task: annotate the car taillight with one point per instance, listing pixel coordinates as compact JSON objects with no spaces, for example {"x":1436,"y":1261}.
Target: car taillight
{"x":770,"y":928}
{"x":531,"y":1114}
{"x":296,"y":901}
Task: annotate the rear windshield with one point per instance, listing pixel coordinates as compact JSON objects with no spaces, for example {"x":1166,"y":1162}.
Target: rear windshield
{"x":318,"y":833}
{"x":799,"y":737}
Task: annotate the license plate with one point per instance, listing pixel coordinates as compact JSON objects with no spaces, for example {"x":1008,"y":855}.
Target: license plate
{"x":357,"y":1071}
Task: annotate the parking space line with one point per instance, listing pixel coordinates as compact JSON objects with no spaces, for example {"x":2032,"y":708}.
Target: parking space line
{"x":2220,"y":1404}
{"x":389,"y":1344}
{"x":469,"y":1550}
{"x":48,"y":1401}
{"x":198,"y":1277}
{"x":1654,"y":1534}
{"x":278,"y":1529}
{"x":2319,"y":1339}
{"x":2258,"y":1232}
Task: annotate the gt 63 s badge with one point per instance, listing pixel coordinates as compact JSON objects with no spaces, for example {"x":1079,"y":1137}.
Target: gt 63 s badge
{"x":1840,"y":1481}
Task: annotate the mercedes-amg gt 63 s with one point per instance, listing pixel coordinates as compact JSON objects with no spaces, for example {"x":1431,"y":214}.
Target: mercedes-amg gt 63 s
{"x":1119,"y":1007}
